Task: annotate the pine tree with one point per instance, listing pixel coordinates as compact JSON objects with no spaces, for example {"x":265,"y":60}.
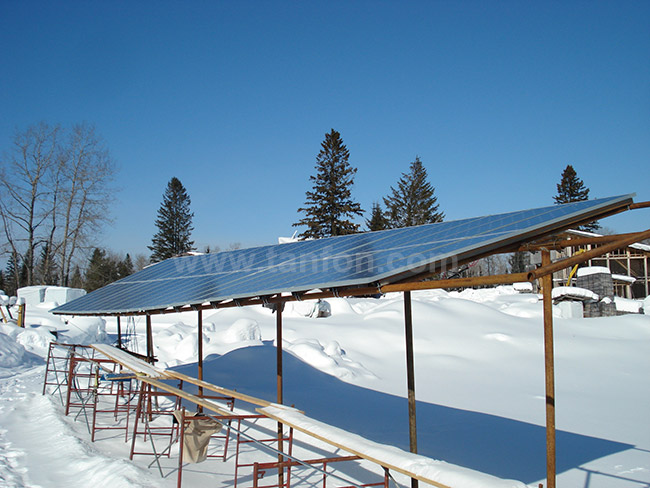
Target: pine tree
{"x":2,"y":281}
{"x":125,"y":267}
{"x":572,"y":189}
{"x":412,"y":202}
{"x":378,"y":220}
{"x":330,"y":206}
{"x":12,"y":275}
{"x":101,"y":271}
{"x":174,"y":224}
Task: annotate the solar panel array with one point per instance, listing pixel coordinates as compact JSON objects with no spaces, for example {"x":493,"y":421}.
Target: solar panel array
{"x":358,"y":259}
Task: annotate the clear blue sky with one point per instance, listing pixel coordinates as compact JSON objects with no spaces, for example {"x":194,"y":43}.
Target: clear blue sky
{"x":234,"y":98}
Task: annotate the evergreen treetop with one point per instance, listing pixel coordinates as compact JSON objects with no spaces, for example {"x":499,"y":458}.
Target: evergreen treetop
{"x":378,"y":220}
{"x":174,"y":224}
{"x":572,"y":189}
{"x":12,"y":275}
{"x":101,"y":271}
{"x":329,"y":206}
{"x":413,"y":201}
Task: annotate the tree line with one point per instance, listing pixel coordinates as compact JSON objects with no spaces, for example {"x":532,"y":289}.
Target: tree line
{"x":55,"y":188}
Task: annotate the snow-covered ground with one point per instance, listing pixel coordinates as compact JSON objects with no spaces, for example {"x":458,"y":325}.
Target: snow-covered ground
{"x":479,"y":384}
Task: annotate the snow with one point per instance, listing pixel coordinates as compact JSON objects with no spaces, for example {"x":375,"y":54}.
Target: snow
{"x":479,"y":384}
{"x":590,"y":270}
{"x":523,"y":287}
{"x":431,"y":469}
{"x":628,"y":305}
{"x":573,"y":292}
{"x":52,"y":295}
{"x":625,"y":278}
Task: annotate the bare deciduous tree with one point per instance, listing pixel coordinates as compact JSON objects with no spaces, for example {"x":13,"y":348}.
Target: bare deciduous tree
{"x":24,"y":177}
{"x":54,"y":195}
{"x":87,"y":170}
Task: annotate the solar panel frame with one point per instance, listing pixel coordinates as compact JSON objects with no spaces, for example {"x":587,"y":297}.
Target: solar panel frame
{"x":365,"y":259}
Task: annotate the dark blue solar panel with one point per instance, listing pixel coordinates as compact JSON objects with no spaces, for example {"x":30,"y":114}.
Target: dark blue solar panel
{"x":358,"y":259}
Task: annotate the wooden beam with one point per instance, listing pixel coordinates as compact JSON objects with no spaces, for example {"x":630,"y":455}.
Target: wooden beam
{"x":218,"y":389}
{"x":577,"y":241}
{"x":549,"y":368}
{"x":587,"y":255}
{"x":300,"y":426}
{"x":201,"y":402}
{"x":502,"y":279}
{"x":633,"y":206}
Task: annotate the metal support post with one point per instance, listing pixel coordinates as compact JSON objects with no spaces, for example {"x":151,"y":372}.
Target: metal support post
{"x":200,"y":353}
{"x":278,"y":338}
{"x":410,"y":372}
{"x":149,"y":340}
{"x":549,"y":361}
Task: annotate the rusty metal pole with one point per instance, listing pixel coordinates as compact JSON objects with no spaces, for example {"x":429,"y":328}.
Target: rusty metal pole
{"x":278,"y":339}
{"x":200,"y":353}
{"x":549,"y":362}
{"x":119,"y":333}
{"x":149,"y":340}
{"x":410,"y":374}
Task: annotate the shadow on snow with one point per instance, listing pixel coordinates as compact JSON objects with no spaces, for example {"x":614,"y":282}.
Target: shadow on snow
{"x":499,"y":446}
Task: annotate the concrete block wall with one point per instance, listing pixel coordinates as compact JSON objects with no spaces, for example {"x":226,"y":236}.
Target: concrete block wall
{"x":603,"y":285}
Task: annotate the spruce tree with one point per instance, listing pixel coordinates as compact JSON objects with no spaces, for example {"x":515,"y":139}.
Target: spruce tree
{"x":413,"y":201}
{"x":125,"y":267}
{"x":174,"y":224}
{"x":329,"y":207}
{"x":572,"y":189}
{"x":102,"y":270}
{"x":378,"y":220}
{"x":12,"y":275}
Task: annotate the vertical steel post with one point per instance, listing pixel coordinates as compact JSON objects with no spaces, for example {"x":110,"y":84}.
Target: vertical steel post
{"x":200,"y":353}
{"x":119,"y":332}
{"x":149,"y":340}
{"x":278,"y":339}
{"x":410,"y":374}
{"x":200,"y":348}
{"x":549,"y":362}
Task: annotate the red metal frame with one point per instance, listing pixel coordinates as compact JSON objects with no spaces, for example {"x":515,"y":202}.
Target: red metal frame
{"x":278,"y":440}
{"x":259,"y":470}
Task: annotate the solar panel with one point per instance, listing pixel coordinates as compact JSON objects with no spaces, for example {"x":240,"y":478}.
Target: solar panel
{"x":359,"y":259}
